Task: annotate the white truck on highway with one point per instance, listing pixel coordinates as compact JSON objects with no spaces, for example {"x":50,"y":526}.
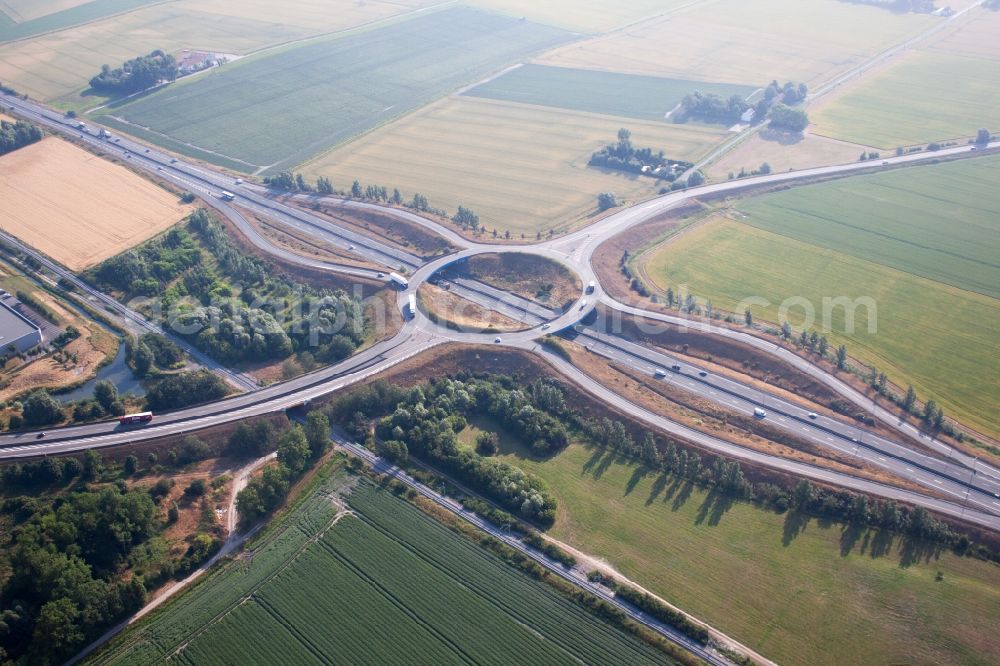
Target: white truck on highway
{"x":399,"y":280}
{"x":104,"y":134}
{"x":411,"y":304}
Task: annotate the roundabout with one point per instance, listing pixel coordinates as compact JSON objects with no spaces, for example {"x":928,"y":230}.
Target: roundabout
{"x":537,"y":319}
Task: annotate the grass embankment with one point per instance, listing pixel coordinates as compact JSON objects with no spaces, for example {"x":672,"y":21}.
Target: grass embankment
{"x":460,"y":314}
{"x":529,"y":276}
{"x":796,"y":591}
{"x":378,"y":582}
{"x":909,"y":240}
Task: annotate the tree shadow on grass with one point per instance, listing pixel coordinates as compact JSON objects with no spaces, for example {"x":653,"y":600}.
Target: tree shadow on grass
{"x":914,"y":551}
{"x":595,"y":457}
{"x":849,"y":536}
{"x":638,"y":474}
{"x":795,"y":524}
{"x":715,"y":506}
{"x":600,"y":460}
{"x":658,"y":487}
{"x":683,"y":493}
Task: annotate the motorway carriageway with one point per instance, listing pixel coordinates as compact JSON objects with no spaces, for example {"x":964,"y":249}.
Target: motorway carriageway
{"x":579,"y":248}
{"x":981,"y":490}
{"x":978,"y":489}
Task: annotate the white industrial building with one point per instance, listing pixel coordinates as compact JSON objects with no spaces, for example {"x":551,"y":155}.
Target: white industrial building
{"x":15,"y":329}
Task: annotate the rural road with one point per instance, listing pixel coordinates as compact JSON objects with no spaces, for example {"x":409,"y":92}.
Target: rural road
{"x":419,"y":334}
{"x":381,"y":466}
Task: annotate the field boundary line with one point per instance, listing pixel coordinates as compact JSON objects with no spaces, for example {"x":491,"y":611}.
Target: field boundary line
{"x":96,"y":19}
{"x":474,"y":585}
{"x":292,"y":630}
{"x":350,"y":565}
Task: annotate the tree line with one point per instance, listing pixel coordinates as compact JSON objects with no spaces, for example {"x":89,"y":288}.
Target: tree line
{"x":297,"y":448}
{"x":136,"y":75}
{"x":713,"y":108}
{"x":623,"y":156}
{"x":425,"y":420}
{"x":17,"y":134}
{"x":296,"y":182}
{"x":439,"y":409}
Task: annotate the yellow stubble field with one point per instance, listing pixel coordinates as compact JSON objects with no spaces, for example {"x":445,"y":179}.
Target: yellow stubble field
{"x":734,"y":41}
{"x":521,"y":168}
{"x":78,"y":208}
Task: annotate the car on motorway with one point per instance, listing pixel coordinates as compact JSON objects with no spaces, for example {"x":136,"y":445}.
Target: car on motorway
{"x":173,"y":160}
{"x":702,"y":373}
{"x":545,"y":327}
{"x":675,"y":367}
{"x":759,"y":413}
{"x":813,"y":415}
{"x":583,"y":303}
{"x":40,"y":435}
{"x":660,"y":372}
{"x":497,"y":339}
{"x":350,"y":247}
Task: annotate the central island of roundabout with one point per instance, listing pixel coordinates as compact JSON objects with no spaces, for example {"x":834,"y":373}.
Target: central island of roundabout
{"x":499,"y":294}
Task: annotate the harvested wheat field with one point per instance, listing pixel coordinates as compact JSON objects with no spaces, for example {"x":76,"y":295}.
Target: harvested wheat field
{"x":77,"y":208}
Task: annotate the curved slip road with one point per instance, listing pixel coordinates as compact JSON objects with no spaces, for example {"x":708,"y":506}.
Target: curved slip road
{"x":419,"y":334}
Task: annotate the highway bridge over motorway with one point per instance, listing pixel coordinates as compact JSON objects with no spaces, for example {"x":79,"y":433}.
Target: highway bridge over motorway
{"x":958,"y":485}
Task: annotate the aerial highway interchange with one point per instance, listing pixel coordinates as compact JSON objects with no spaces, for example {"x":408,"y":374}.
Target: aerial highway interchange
{"x":960,"y":486}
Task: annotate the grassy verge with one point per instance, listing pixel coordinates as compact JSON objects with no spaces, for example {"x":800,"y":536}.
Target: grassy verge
{"x":796,"y":590}
{"x":920,"y":332}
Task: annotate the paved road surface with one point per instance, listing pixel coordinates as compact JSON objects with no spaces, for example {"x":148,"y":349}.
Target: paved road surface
{"x":420,"y":334}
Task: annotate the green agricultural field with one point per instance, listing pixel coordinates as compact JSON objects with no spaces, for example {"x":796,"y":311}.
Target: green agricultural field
{"x":924,"y":97}
{"x":798,"y":593}
{"x":64,"y":16}
{"x":521,"y":168}
{"x":382,"y":584}
{"x":279,"y":109}
{"x":589,"y":16}
{"x":939,"y":338}
{"x":609,"y":93}
{"x":56,"y":66}
{"x":941,"y":222}
{"x":747,"y":43}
